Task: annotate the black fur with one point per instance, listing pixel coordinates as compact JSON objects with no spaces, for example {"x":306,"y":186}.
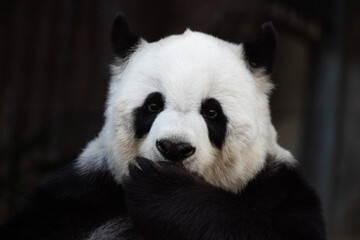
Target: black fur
{"x":67,"y":206}
{"x":123,"y":40}
{"x":167,"y":202}
{"x":144,"y":118}
{"x":217,"y":125}
{"x":164,"y":201}
{"x":260,"y":53}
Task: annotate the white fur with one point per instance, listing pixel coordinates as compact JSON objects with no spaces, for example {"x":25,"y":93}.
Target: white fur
{"x":187,"y":69}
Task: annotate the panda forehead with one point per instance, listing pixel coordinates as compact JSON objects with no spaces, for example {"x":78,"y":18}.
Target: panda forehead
{"x":193,"y":50}
{"x":188,"y":68}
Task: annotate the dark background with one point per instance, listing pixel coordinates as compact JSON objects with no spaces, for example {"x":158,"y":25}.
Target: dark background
{"x":54,"y":71}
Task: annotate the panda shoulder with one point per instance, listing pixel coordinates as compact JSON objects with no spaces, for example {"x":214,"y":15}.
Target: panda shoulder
{"x":84,"y":200}
{"x":70,"y":183}
{"x":284,"y":184}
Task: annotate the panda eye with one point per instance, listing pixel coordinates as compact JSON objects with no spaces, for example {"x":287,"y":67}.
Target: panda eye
{"x":210,"y":113}
{"x":154,"y":107}
{"x":211,"y":109}
{"x":154,"y":103}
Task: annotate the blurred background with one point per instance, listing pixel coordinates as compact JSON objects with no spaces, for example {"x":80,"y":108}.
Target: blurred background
{"x":54,"y":72}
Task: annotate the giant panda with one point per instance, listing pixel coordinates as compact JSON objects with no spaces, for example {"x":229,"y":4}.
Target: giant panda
{"x":187,"y":151}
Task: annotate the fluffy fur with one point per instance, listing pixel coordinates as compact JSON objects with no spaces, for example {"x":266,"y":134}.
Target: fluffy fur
{"x":191,"y":89}
{"x":69,"y":205}
{"x":276,"y":204}
{"x":187,"y":69}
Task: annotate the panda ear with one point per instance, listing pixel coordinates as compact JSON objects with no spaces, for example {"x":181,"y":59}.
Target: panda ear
{"x":123,"y":40}
{"x":260,"y":53}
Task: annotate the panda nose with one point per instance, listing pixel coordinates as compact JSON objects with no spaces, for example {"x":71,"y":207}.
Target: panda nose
{"x":174,"y":151}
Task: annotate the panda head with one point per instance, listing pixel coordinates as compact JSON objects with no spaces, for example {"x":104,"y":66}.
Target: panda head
{"x":193,"y":99}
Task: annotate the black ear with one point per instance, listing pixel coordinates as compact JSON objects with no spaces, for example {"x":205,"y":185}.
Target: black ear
{"x":123,"y":40}
{"x":260,"y":53}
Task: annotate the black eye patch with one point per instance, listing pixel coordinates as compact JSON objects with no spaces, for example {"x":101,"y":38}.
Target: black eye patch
{"x":146,"y":114}
{"x":216,"y":121}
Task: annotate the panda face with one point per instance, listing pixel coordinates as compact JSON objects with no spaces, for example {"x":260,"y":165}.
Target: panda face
{"x":192,"y":99}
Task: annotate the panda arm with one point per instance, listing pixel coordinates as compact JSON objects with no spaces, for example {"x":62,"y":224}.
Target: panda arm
{"x":167,"y":202}
{"x":66,"y":206}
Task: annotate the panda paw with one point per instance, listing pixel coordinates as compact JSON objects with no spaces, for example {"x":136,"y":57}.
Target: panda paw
{"x":154,"y":183}
{"x":158,"y":193}
{"x":146,"y":175}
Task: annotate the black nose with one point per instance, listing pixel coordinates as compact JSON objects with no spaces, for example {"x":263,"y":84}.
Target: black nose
{"x":174,"y":151}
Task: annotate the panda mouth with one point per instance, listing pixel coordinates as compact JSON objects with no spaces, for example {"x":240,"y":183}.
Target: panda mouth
{"x":179,"y":164}
{"x":174,"y":163}
{"x":159,"y":161}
